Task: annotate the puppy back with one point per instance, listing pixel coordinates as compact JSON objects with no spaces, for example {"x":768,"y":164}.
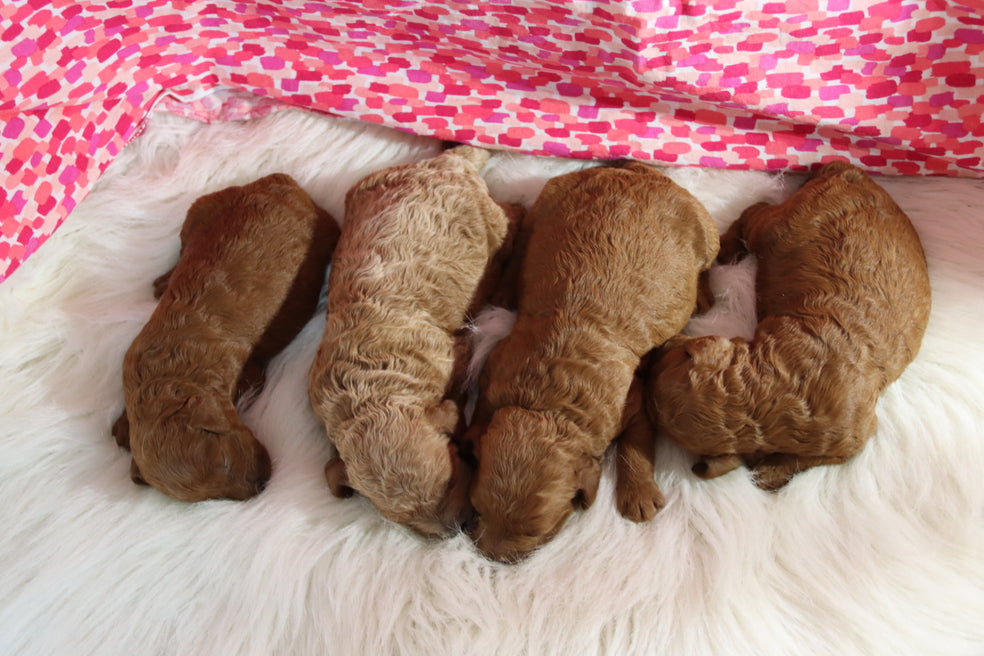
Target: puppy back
{"x":619,"y":247}
{"x":840,"y":249}
{"x":246,"y":252}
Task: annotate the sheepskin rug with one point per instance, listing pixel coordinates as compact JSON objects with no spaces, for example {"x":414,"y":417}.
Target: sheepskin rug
{"x":883,"y":555}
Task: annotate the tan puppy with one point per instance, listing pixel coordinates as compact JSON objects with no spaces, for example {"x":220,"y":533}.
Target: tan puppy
{"x":415,"y":244}
{"x":843,"y":300}
{"x":610,"y":271}
{"x":251,"y":268}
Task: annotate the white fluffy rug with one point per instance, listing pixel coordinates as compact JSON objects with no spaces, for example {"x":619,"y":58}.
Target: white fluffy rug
{"x":884,"y":555}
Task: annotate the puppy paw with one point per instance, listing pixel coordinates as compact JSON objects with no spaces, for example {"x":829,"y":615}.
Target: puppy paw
{"x":337,"y":477}
{"x":135,"y":474}
{"x":640,"y":501}
{"x":121,"y":431}
{"x":771,"y":478}
{"x":714,"y":466}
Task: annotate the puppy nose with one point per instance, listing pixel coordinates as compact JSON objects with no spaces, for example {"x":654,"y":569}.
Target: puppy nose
{"x":260,"y":476}
{"x":259,"y":479}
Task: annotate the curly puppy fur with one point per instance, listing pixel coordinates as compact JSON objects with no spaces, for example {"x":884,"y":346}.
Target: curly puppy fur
{"x":250,"y":272}
{"x":611,"y":271}
{"x":414,"y":246}
{"x":843,"y":299}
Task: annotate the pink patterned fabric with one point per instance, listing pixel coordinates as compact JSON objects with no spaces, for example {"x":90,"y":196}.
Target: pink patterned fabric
{"x":895,"y":86}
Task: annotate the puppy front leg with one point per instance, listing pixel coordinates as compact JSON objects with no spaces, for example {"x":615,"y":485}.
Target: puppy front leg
{"x":775,"y":470}
{"x":636,"y":494}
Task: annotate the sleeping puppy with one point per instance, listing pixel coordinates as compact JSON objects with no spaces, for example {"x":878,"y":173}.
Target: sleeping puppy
{"x":610,"y":271}
{"x":843,"y":299}
{"x":415,"y":244}
{"x":248,"y":278}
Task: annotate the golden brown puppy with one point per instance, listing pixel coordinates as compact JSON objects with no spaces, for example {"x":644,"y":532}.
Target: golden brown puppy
{"x":251,"y":269}
{"x":415,"y":244}
{"x":843,"y":299}
{"x":610,"y":271}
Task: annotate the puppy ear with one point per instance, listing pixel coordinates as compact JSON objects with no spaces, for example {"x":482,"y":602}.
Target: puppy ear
{"x":205,"y":414}
{"x":588,"y":476}
{"x":337,"y":477}
{"x":135,"y":474}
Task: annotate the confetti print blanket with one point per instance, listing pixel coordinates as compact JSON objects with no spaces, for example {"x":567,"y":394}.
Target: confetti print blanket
{"x":894,"y":85}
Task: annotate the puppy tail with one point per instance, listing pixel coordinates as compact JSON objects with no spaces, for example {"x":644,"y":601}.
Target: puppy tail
{"x":477,"y":156}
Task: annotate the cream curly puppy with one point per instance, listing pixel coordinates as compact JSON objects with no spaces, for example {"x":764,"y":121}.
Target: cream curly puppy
{"x":843,"y":299}
{"x":415,"y":244}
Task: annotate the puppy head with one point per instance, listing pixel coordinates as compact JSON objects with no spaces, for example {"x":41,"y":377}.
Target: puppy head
{"x":528,"y":483}
{"x":401,"y":458}
{"x":197,"y":449}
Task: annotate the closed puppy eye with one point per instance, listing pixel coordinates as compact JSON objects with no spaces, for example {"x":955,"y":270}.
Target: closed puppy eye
{"x":218,"y":456}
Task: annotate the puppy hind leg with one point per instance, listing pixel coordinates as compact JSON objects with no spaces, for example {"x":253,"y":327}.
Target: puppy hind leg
{"x":733,"y":246}
{"x":637,"y":495}
{"x":774,"y":471}
{"x":713,"y":466}
{"x":742,"y":236}
{"x":705,"y":297}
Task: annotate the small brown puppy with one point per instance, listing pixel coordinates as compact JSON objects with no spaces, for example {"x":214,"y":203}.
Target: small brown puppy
{"x":414,"y":246}
{"x":610,"y":271}
{"x":251,"y":269}
{"x":843,"y":301}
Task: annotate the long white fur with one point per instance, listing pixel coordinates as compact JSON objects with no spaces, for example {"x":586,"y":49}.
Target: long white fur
{"x":884,"y":555}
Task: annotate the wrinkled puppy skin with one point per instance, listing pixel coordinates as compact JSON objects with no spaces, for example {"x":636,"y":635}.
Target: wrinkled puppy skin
{"x":416,"y":242}
{"x":610,"y":271}
{"x":249,"y":275}
{"x":843,"y":299}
